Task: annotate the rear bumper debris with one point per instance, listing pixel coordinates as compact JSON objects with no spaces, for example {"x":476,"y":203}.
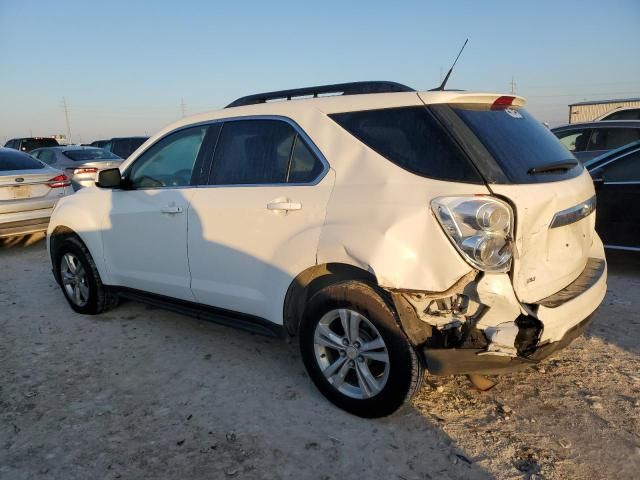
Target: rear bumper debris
{"x":479,"y":326}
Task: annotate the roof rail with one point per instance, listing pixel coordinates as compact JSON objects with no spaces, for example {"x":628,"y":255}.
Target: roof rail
{"x":353,"y":88}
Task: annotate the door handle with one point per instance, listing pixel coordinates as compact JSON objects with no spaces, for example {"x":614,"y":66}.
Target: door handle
{"x":286,"y":206}
{"x":171,"y":210}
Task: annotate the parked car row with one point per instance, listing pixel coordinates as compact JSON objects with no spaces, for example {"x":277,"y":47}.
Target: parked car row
{"x":80,"y":163}
{"x":29,"y":190}
{"x":120,"y":146}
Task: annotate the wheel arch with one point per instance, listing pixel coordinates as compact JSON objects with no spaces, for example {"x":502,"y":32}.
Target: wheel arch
{"x":60,"y":232}
{"x":312,"y":280}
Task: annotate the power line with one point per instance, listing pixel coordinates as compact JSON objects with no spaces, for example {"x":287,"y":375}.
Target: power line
{"x":66,"y":116}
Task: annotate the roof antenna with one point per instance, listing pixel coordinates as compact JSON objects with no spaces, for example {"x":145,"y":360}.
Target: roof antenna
{"x":446,"y":79}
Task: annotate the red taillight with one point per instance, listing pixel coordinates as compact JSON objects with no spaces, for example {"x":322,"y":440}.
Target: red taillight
{"x":502,"y":102}
{"x":59,"y":181}
{"x":80,"y":171}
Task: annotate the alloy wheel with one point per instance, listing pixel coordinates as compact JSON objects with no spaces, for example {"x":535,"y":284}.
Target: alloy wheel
{"x":74,"y":279}
{"x":351,"y":353}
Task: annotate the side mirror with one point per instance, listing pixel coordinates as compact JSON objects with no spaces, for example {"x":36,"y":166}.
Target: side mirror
{"x":109,"y":178}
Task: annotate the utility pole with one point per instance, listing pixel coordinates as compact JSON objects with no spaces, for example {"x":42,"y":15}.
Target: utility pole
{"x":66,"y":116}
{"x":183,"y":107}
{"x":513,"y":84}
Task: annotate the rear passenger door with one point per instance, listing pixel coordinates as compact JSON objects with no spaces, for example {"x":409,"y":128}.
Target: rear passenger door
{"x":254,"y":223}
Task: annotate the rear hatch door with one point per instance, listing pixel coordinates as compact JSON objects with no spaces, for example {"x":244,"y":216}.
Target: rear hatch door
{"x":523,"y":162}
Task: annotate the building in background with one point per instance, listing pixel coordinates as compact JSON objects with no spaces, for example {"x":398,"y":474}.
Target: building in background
{"x":61,"y":138}
{"x":589,"y":111}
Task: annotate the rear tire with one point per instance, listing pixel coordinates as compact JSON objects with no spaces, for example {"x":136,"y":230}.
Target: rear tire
{"x":355,"y":351}
{"x":79,"y":279}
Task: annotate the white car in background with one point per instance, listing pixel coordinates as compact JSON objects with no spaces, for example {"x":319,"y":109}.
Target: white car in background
{"x":390,"y":230}
{"x":29,"y":190}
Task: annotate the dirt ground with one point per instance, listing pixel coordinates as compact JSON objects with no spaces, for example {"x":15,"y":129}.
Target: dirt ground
{"x":143,"y":393}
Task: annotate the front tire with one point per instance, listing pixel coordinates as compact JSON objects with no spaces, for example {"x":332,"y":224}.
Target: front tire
{"x":355,"y":351}
{"x":79,"y":279}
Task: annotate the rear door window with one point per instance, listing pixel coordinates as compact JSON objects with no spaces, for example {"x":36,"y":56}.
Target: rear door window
{"x":610,"y":138}
{"x":47,"y":156}
{"x":253,"y":152}
{"x":411,"y":138}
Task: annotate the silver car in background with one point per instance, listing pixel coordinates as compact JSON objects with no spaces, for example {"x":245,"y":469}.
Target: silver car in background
{"x":29,"y":190}
{"x":80,"y":163}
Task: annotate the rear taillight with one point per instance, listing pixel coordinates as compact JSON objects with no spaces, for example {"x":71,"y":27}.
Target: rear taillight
{"x":59,"y":182}
{"x":80,"y":171}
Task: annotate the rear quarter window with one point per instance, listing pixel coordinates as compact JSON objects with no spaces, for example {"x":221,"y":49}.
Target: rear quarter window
{"x":411,"y":138}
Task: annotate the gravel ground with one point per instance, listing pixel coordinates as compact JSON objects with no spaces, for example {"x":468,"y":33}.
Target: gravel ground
{"x":143,"y":393}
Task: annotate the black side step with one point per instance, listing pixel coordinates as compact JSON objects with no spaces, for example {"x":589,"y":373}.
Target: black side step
{"x":229,"y":318}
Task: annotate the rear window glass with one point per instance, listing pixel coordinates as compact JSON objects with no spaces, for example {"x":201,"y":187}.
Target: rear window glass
{"x":12,"y":160}
{"x":411,"y":138}
{"x":631,"y":114}
{"x":518,"y":142}
{"x":29,"y":144}
{"x":90,"y":154}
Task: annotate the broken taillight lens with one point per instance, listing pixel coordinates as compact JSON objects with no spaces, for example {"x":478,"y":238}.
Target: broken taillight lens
{"x":59,"y":182}
{"x":480,"y":227}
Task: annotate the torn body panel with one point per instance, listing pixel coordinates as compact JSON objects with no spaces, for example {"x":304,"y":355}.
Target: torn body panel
{"x":495,"y":324}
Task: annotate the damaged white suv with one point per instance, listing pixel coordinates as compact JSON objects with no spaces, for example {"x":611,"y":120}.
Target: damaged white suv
{"x":390,"y":230}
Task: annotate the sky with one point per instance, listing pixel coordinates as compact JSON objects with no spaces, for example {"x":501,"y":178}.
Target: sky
{"x":132,"y":67}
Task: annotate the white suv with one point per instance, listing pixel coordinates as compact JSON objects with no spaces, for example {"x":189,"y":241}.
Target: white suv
{"x":390,"y":230}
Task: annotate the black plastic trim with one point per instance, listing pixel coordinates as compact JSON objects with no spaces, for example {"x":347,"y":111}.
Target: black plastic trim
{"x":242,"y":321}
{"x":352,"y":88}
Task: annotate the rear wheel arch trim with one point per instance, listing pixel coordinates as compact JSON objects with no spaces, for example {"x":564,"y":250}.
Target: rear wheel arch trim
{"x":309,"y":281}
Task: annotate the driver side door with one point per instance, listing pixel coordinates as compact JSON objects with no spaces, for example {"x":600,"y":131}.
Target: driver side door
{"x":145,"y":240}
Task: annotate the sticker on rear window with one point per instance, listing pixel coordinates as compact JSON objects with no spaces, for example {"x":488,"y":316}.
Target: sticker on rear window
{"x":512,"y":112}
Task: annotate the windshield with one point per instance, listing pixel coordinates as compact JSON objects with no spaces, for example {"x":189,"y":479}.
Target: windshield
{"x":519,"y":143}
{"x":90,"y":154}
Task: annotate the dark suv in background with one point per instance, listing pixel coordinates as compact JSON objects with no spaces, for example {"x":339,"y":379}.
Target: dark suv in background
{"x":31,"y":143}
{"x":120,"y":146}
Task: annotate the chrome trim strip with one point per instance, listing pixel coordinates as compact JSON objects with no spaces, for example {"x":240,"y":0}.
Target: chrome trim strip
{"x":618,"y":247}
{"x":574,"y":214}
{"x":622,"y":183}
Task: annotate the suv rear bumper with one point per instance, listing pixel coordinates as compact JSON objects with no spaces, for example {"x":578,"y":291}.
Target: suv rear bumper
{"x":550,"y":325}
{"x":452,"y":361}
